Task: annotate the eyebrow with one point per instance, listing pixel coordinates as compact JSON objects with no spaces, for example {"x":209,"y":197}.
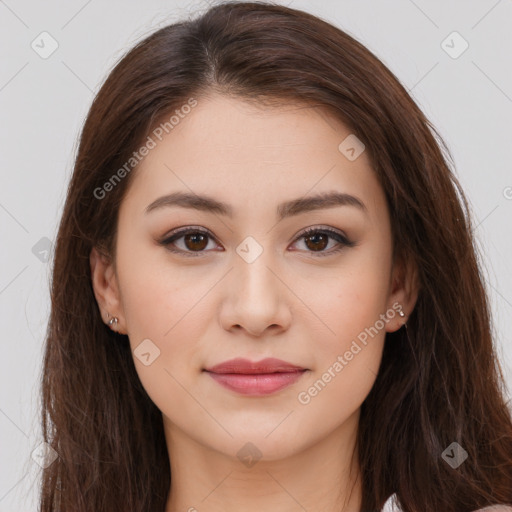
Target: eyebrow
{"x":287,"y":209}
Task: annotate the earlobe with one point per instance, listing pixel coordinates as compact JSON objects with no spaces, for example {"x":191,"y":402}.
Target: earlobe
{"x":106,"y":290}
{"x":403,"y":294}
{"x":398,"y":317}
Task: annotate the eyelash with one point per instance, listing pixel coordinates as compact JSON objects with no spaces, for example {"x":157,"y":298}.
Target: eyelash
{"x":342,"y":240}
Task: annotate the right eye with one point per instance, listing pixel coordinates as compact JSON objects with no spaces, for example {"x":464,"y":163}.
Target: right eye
{"x":195,"y":241}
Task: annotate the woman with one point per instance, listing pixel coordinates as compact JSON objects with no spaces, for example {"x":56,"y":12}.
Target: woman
{"x":265,"y":290}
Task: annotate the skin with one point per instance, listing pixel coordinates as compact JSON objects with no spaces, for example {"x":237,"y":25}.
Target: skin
{"x":290,"y":303}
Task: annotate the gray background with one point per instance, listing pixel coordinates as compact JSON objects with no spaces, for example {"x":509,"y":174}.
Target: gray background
{"x":43,"y":103}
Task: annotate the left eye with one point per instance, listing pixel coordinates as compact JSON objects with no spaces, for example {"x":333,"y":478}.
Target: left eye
{"x":317,"y":240}
{"x":196,"y":240}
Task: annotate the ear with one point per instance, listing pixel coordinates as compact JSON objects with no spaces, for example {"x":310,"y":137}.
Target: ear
{"x":404,"y":289}
{"x":106,"y":290}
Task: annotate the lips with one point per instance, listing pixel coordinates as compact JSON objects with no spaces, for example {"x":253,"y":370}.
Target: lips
{"x":256,"y":378}
{"x":269,"y":365}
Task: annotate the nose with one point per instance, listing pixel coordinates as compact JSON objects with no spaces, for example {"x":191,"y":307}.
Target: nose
{"x":256,"y":298}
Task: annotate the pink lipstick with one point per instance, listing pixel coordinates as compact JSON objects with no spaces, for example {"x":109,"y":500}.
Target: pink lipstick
{"x":255,"y":378}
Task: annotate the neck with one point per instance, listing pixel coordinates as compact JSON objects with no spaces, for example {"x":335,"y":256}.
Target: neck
{"x":323,"y":477}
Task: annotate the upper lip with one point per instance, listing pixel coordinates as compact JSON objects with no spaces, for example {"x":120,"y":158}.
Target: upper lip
{"x":268,"y":365}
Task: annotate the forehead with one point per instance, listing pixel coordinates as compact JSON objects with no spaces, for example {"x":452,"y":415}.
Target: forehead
{"x":224,"y":146}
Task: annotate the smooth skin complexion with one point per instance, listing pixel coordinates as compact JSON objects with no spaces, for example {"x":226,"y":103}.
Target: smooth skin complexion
{"x":304,"y":300}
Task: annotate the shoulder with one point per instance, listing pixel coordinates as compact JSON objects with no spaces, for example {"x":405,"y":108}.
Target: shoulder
{"x":495,"y":508}
{"x":391,"y":505}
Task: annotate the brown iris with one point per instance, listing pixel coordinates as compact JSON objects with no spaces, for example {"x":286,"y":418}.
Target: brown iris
{"x":319,"y":241}
{"x":196,"y":241}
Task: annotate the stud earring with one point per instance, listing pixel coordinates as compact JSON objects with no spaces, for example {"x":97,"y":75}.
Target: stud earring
{"x":402,"y":315}
{"x":112,"y":321}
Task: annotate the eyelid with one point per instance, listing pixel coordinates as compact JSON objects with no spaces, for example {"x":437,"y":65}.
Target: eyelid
{"x":341,"y":238}
{"x":176,"y":234}
{"x":185,"y":230}
{"x":322,"y":229}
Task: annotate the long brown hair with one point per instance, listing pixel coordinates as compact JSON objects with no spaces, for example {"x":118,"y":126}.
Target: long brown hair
{"x":439,"y":382}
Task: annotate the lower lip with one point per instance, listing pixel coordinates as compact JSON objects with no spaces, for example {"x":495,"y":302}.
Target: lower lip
{"x":257,"y":384}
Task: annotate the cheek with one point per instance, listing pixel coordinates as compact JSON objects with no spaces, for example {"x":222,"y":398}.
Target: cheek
{"x":162,"y":305}
{"x":352,"y":307}
{"x":347,"y":359}
{"x":158,"y":298}
{"x":349,"y":350}
{"x":352,"y":301}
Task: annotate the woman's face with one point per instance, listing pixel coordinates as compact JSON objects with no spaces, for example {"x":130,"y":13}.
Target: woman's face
{"x":245,"y":282}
